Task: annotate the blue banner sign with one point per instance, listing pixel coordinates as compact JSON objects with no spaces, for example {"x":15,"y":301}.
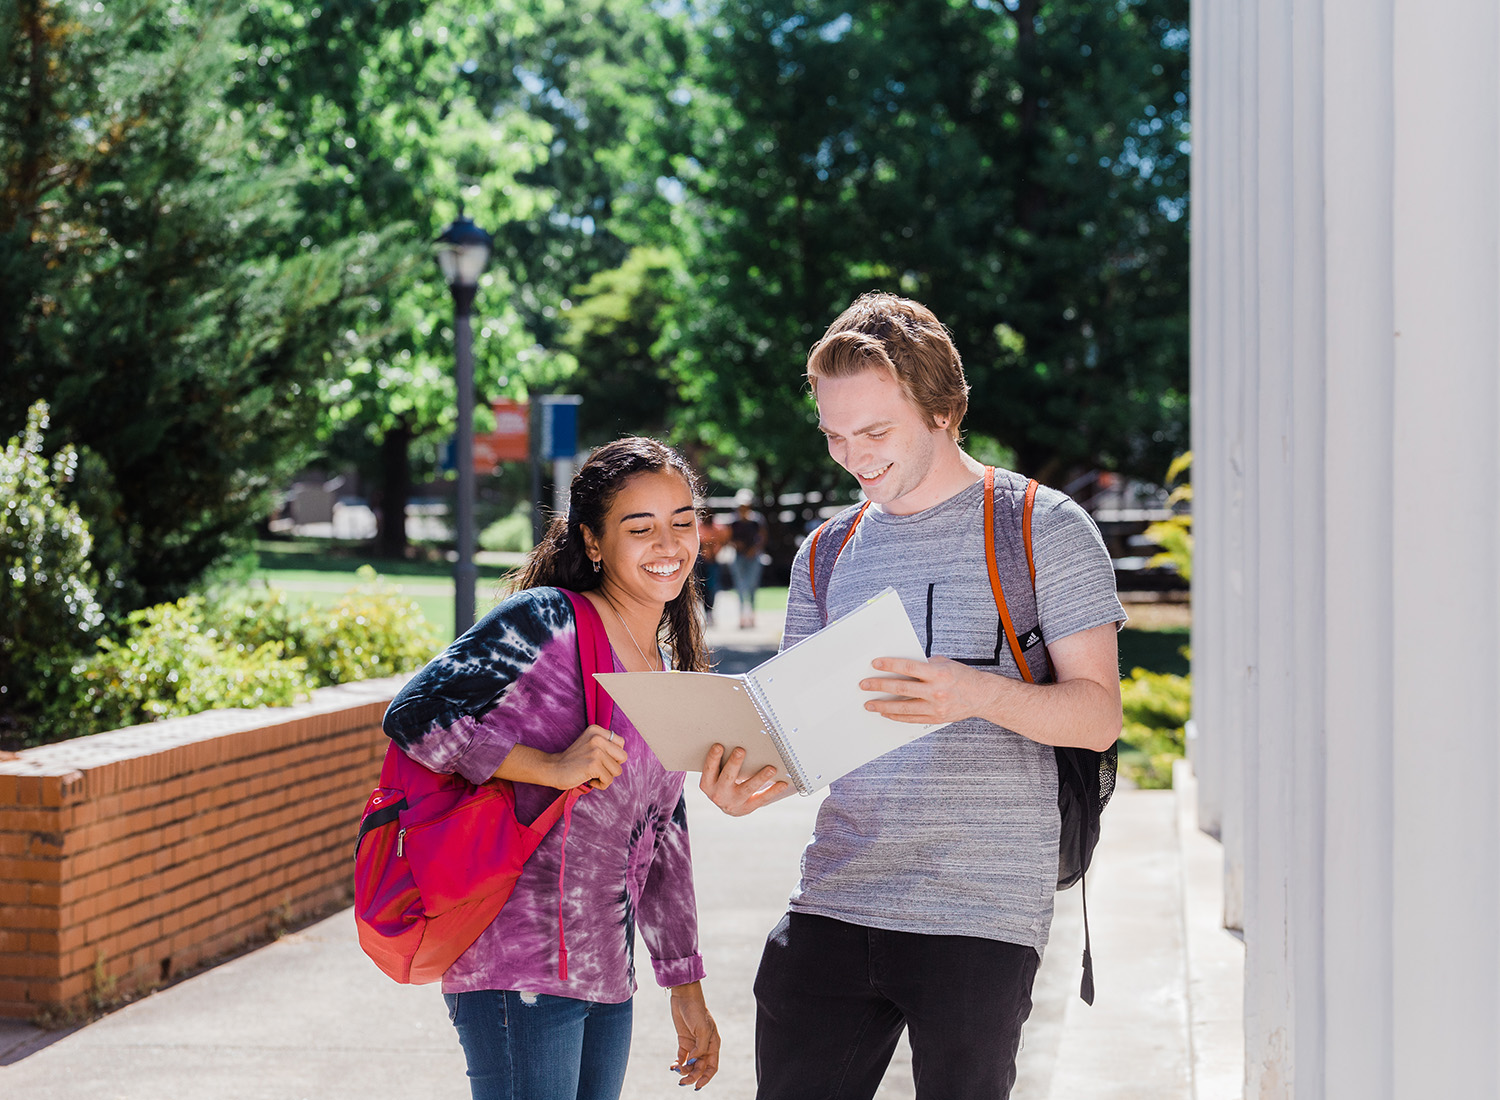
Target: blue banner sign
{"x":559,"y":425}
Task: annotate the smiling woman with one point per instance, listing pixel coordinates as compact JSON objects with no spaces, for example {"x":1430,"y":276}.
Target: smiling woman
{"x":630,"y":505}
{"x":643,"y":548}
{"x":505,"y":703}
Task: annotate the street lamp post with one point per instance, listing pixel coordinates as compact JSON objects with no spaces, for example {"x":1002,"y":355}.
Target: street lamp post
{"x":463,"y":251}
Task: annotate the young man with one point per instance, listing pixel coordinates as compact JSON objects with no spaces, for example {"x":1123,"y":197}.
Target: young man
{"x":926,"y":891}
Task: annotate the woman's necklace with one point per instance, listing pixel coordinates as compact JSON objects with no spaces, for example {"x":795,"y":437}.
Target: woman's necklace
{"x":649,"y":666}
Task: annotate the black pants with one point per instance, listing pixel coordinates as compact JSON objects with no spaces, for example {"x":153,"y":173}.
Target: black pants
{"x":832,"y":999}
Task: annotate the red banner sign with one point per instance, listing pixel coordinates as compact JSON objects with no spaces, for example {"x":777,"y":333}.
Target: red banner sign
{"x":511,"y":439}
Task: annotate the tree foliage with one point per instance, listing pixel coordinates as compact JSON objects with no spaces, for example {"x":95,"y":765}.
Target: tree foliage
{"x":380,"y":106}
{"x":215,"y":227}
{"x":545,"y":119}
{"x":1019,"y":167}
{"x":614,"y":329}
{"x":151,"y":304}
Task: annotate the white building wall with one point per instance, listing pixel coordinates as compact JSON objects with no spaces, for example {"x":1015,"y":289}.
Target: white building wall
{"x":1346,"y":643}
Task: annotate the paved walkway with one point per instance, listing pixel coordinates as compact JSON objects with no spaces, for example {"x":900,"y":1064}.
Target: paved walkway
{"x":310,"y":1017}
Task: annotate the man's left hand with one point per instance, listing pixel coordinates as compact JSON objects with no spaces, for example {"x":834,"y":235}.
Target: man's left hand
{"x":935,"y":691}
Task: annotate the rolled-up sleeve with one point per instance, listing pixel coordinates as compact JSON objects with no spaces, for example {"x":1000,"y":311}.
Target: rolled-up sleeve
{"x":668,"y":914}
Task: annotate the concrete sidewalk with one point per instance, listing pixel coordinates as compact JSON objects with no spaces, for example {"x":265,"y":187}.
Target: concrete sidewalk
{"x":310,"y":1017}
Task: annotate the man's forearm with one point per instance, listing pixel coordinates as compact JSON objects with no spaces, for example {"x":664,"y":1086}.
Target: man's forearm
{"x":1075,"y":712}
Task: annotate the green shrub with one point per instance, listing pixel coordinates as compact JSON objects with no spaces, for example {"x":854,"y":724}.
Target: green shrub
{"x":171,"y":662}
{"x":1175,"y":535}
{"x":512,"y":532}
{"x":372,"y":631}
{"x":248,"y":649}
{"x":48,"y":606}
{"x":1157,"y":706}
{"x":258,"y":616}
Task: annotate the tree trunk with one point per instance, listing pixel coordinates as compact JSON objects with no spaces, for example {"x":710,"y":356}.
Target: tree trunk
{"x":395,"y":491}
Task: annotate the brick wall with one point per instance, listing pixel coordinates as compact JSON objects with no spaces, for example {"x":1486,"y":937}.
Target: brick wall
{"x":129,"y":857}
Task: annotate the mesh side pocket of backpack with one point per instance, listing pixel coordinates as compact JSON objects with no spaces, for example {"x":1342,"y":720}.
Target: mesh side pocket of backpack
{"x":1080,"y":800}
{"x":1109,"y":765}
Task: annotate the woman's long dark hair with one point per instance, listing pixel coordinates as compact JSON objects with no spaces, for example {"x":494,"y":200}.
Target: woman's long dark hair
{"x":560,"y":560}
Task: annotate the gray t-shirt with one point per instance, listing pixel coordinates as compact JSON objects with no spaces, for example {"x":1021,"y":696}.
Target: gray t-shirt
{"x":956,"y":832}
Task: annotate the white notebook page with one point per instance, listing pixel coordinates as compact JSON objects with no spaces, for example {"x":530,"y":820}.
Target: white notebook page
{"x":813,"y":689}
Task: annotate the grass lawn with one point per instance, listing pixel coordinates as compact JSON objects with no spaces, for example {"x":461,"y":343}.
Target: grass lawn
{"x":315,"y":572}
{"x":301,"y":558}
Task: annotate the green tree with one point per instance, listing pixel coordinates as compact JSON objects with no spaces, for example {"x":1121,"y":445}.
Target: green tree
{"x":594,"y":273}
{"x":150,"y":301}
{"x":379,"y":105}
{"x":543,"y":117}
{"x":607,"y":79}
{"x":614,"y":330}
{"x":1019,"y":166}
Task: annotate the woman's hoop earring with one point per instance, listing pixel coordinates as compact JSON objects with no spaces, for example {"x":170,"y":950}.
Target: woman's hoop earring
{"x":597,"y":567}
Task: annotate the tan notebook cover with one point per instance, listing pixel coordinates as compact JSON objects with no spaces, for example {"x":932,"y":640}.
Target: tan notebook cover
{"x":802,"y":710}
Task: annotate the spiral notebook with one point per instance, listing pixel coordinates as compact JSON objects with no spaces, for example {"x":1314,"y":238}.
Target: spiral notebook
{"x":802,"y":711}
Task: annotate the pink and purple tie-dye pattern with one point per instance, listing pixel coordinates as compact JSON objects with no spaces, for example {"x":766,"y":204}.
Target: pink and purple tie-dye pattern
{"x":515,"y":679}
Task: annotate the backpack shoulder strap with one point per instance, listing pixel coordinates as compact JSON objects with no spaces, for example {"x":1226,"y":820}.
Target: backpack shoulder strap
{"x":992,"y":564}
{"x":837,"y":531}
{"x":1031,"y":487}
{"x":593,"y":656}
{"x":599,"y":710}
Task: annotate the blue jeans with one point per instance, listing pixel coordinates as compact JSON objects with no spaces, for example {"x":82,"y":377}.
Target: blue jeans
{"x":746,"y":570}
{"x":534,"y":1046}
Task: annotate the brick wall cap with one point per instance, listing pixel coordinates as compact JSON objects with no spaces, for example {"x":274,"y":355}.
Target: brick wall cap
{"x":65,"y":758}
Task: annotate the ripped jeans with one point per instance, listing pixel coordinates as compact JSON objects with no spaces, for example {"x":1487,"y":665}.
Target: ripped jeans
{"x":536,"y":1046}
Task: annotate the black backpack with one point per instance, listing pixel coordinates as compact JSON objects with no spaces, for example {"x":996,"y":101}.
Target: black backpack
{"x":1085,"y":778}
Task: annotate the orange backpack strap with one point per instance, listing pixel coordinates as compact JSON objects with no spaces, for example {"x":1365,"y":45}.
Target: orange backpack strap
{"x":1031,"y":487}
{"x":813,"y":572}
{"x":812,"y":555}
{"x":989,"y":560}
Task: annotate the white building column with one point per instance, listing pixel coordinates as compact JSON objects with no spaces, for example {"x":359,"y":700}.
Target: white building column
{"x":1346,"y":649}
{"x":1357,"y":720}
{"x":1446,"y":552}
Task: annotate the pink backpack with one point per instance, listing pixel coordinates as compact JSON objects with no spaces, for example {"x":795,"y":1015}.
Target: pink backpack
{"x":437,"y":857}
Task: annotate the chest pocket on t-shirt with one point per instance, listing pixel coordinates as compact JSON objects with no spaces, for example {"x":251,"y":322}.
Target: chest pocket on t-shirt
{"x":967,"y":629}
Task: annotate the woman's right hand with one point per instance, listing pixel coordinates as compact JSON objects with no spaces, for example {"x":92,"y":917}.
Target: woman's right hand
{"x":596,"y":758}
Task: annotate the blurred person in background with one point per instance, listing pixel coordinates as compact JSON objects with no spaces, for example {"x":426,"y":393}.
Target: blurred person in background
{"x":747,"y":534}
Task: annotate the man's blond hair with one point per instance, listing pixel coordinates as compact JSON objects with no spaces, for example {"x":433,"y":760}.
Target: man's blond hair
{"x":886,"y":331}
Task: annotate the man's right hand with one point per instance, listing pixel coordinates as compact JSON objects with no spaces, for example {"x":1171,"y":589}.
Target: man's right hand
{"x":734,"y":794}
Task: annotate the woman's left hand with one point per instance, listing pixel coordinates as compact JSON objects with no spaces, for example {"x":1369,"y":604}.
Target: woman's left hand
{"x":697,"y":1036}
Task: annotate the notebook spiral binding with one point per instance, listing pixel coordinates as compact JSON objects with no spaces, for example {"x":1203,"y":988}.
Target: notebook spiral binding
{"x":773,"y":731}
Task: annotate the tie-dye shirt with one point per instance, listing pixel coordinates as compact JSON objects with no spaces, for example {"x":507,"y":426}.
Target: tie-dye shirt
{"x":515,"y":679}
